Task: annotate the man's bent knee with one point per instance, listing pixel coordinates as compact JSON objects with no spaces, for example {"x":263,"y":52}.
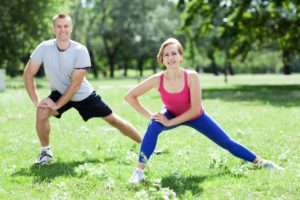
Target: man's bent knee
{"x":45,"y":113}
{"x":113,"y":120}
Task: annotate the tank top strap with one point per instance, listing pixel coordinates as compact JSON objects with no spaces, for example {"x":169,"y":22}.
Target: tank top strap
{"x":161,"y":82}
{"x":185,"y":75}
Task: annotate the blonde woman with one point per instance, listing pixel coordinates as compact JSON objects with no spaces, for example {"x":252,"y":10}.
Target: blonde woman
{"x":181,"y":94}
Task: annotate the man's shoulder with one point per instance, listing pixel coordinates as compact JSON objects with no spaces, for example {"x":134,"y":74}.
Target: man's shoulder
{"x":77,"y":45}
{"x":50,"y":42}
{"x":44,"y":47}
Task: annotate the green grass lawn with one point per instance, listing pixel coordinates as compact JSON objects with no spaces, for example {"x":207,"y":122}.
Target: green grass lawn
{"x":94,"y":161}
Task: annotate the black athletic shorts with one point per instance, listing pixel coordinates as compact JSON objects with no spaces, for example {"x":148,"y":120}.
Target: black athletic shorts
{"x":92,"y":106}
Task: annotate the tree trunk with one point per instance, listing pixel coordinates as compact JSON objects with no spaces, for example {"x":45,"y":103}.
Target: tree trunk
{"x":154,"y":66}
{"x":125,"y":67}
{"x":93,"y":67}
{"x":230,"y":69}
{"x":215,"y":68}
{"x":140,"y":66}
{"x":287,"y":69}
{"x":287,"y":60}
{"x":111,"y":66}
{"x":226,"y":70}
{"x":213,"y":64}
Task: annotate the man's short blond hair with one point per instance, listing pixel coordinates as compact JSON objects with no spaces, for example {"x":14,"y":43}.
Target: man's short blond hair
{"x":61,"y":16}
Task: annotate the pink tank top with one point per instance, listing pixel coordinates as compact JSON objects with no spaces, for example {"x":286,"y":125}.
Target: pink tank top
{"x":177,"y":103}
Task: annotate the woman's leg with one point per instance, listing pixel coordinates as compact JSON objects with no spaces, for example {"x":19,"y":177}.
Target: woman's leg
{"x":151,"y":136}
{"x":150,"y":139}
{"x":148,"y":145}
{"x":213,"y":131}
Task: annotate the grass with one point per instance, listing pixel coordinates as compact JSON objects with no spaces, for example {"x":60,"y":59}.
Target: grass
{"x":94,"y":161}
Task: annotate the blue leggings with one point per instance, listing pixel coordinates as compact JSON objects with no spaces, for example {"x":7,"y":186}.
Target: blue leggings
{"x":204,"y":124}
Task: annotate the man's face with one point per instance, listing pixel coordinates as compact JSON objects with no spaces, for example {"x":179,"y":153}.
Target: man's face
{"x":63,"y":28}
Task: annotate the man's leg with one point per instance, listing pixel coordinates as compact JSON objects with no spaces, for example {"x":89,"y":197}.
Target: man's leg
{"x":43,"y":130}
{"x":123,"y":126}
{"x":43,"y":125}
{"x":42,"y":122}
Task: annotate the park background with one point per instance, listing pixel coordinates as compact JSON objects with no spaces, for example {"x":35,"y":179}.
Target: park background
{"x":247,"y":54}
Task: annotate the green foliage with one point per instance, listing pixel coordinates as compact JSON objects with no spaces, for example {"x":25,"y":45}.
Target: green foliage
{"x":23,"y":24}
{"x":259,"y":63}
{"x":237,"y":27}
{"x":124,"y":33}
{"x":94,"y":161}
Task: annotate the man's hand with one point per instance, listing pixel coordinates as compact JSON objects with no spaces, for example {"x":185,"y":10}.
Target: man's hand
{"x":47,"y":103}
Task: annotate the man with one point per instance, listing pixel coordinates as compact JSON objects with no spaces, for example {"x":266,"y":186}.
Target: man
{"x":66,"y":62}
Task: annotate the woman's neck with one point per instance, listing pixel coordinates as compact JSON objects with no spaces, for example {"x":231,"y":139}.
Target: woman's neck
{"x":173,"y":74}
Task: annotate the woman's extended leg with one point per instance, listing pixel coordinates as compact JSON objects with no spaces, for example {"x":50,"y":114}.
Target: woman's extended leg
{"x":213,"y":131}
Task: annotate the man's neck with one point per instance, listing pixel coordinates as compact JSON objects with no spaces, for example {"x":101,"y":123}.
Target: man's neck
{"x":63,"y":45}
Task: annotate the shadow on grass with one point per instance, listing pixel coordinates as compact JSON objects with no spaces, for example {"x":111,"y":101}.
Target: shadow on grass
{"x":181,"y":184}
{"x":56,"y":169}
{"x":276,"y":95}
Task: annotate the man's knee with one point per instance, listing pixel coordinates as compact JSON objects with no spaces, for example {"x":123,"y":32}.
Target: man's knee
{"x":43,"y":113}
{"x":114,"y":120}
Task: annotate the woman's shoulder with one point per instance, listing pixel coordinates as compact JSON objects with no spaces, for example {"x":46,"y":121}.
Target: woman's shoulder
{"x":154,"y":77}
{"x":157,"y":75}
{"x":191,"y":73}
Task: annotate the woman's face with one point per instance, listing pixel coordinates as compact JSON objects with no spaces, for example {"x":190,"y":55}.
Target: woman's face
{"x":171,"y":56}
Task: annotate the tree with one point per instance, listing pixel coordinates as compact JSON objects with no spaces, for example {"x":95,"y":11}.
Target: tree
{"x":124,"y":32}
{"x":235,"y":27}
{"x":23,"y":25}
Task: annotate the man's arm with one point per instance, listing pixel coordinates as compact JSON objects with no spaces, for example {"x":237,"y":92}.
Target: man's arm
{"x":77,"y":78}
{"x":30,"y":71}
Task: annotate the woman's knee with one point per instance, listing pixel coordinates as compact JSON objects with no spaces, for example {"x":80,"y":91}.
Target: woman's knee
{"x":154,"y":128}
{"x":155,"y":124}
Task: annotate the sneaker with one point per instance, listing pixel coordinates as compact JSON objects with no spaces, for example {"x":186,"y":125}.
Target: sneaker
{"x":44,"y":158}
{"x":137,"y":176}
{"x":269,"y":165}
{"x":157,"y":152}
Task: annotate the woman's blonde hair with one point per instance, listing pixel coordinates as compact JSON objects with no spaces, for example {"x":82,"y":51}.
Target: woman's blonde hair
{"x":166,"y":43}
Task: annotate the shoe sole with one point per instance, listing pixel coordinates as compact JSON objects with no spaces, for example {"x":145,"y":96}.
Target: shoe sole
{"x":43,"y":163}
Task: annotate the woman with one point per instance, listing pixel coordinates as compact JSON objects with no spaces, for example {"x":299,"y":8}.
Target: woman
{"x":181,"y":94}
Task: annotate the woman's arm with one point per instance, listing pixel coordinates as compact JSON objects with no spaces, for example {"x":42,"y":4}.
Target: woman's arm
{"x":140,"y":89}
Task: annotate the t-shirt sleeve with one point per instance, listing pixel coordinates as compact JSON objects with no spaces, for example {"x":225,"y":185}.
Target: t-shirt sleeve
{"x":83,"y":59}
{"x":37,"y":54}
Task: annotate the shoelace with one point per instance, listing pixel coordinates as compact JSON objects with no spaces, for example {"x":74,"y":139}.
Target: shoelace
{"x":43,"y":154}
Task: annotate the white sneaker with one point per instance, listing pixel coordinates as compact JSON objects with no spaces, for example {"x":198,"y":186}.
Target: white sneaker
{"x":137,"y":176}
{"x":269,"y":165}
{"x":44,"y":158}
{"x":157,"y":152}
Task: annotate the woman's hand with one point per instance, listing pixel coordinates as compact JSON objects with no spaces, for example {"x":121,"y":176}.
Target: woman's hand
{"x":161,"y":118}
